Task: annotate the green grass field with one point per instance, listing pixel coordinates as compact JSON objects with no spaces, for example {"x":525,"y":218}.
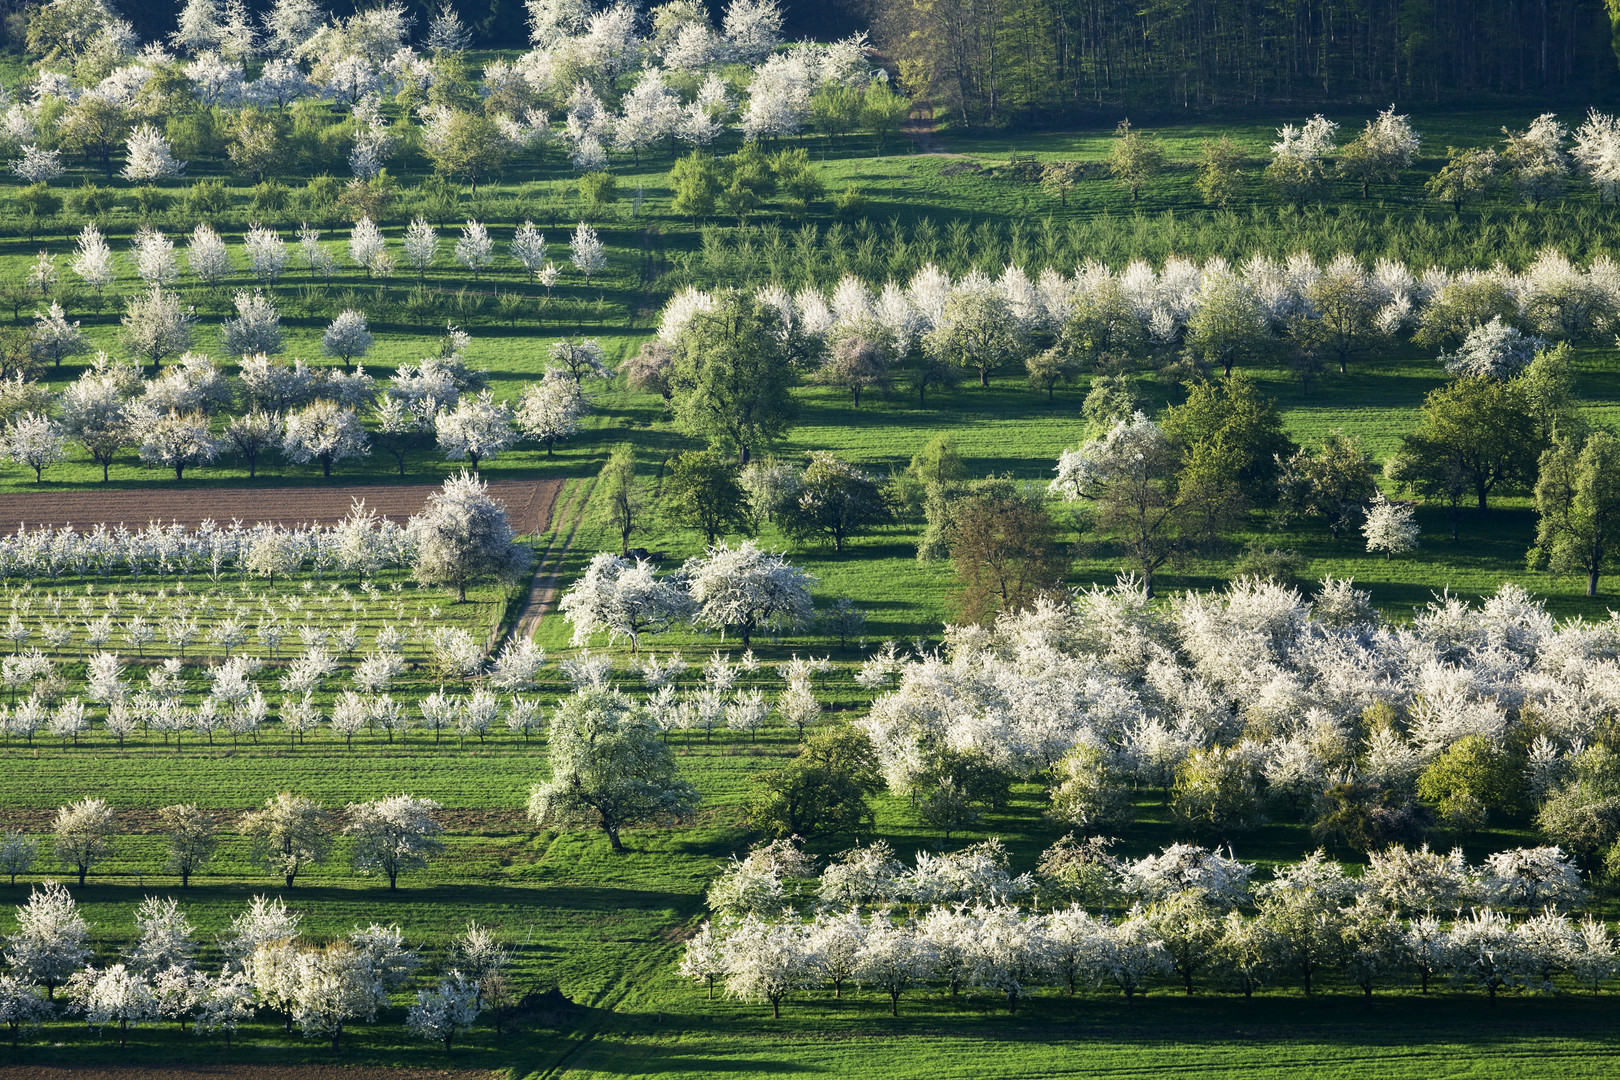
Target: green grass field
{"x":604,"y":929}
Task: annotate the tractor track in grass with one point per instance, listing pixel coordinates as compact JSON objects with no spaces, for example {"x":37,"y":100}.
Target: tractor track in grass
{"x":543,"y":586}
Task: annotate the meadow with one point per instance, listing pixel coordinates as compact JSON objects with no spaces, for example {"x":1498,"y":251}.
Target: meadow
{"x":605,"y":930}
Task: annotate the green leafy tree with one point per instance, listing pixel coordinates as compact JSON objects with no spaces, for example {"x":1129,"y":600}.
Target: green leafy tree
{"x":472,"y":149}
{"x":1227,"y":325}
{"x":1220,"y":174}
{"x":836,"y":501}
{"x":610,"y":768}
{"x":1132,"y":477}
{"x":1333,"y":481}
{"x":731,"y":376}
{"x":938,"y":462}
{"x":702,"y":493}
{"x":1476,"y":433}
{"x":1471,"y":778}
{"x":1345,"y":316}
{"x":256,"y":145}
{"x":883,"y":110}
{"x":1582,"y":815}
{"x":1005,"y":549}
{"x":1050,"y":368}
{"x":1058,"y":178}
{"x":1297,"y":180}
{"x":96,"y":126}
{"x":696,"y":185}
{"x":1578,"y":498}
{"x":1465,"y":174}
{"x":621,"y":494}
{"x":799,"y":182}
{"x":599,"y":189}
{"x":1190,"y":932}
{"x":824,"y":789}
{"x":745,"y":182}
{"x":1090,"y":792}
{"x":1239,"y":433}
{"x":835,"y":110}
{"x":960,"y":787}
{"x":1548,"y":386}
{"x":976,"y":332}
{"x":1135,"y":158}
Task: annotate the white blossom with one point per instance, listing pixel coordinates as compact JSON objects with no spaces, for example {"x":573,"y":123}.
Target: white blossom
{"x":475,"y":250}
{"x":587,"y":252}
{"x":38,"y":166}
{"x":148,"y":156}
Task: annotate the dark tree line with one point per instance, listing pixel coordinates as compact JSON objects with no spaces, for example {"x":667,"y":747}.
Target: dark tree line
{"x":999,"y":61}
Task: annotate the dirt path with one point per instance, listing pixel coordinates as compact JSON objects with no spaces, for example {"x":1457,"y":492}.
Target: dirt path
{"x":921,"y":129}
{"x":528,"y":505}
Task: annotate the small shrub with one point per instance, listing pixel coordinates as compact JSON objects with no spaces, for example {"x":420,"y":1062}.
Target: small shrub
{"x":1280,"y":564}
{"x":269,"y":198}
{"x":208,"y":199}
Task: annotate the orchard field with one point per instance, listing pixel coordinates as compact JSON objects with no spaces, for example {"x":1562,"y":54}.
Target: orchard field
{"x":392,"y":674}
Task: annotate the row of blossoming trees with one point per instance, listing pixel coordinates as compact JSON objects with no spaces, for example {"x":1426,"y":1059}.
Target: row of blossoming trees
{"x":194,"y":412}
{"x":268,"y":964}
{"x":1215,"y":314}
{"x":1186,"y":918}
{"x":742,"y":590}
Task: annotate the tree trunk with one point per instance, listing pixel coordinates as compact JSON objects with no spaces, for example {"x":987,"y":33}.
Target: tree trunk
{"x":1591,"y":581}
{"x":326,"y":466}
{"x":894,"y":1003}
{"x":984,"y":376}
{"x":613,"y":839}
{"x":83,"y":870}
{"x":290,"y":880}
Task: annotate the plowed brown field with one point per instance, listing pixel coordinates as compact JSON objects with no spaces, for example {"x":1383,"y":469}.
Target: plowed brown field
{"x":528,"y":505}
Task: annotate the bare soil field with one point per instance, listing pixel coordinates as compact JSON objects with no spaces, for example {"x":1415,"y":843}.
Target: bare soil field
{"x":528,"y":505}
